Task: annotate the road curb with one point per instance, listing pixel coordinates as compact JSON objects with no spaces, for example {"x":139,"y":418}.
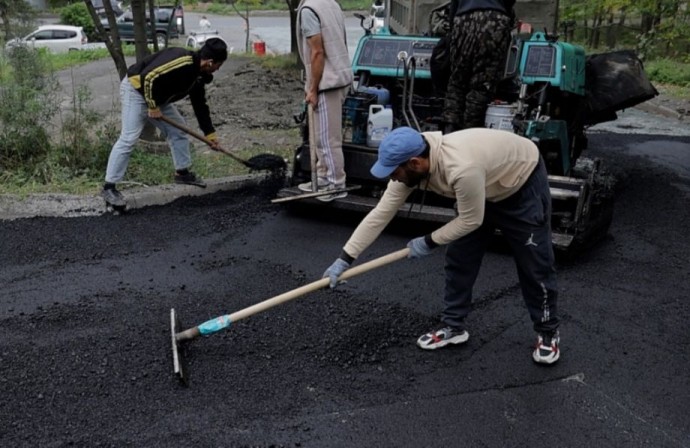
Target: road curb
{"x":68,"y":206}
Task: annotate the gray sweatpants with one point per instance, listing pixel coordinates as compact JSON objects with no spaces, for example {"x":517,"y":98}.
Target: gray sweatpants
{"x":524,"y":220}
{"x":330,"y":165}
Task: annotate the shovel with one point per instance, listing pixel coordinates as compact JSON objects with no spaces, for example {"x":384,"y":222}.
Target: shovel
{"x":221,"y":322}
{"x":261,"y":162}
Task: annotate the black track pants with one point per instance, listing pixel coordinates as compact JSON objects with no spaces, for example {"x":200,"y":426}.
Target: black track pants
{"x":524,"y":220}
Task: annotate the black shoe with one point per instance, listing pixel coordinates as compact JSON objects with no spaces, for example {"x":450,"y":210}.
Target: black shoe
{"x":113,"y":198}
{"x":189,"y":178}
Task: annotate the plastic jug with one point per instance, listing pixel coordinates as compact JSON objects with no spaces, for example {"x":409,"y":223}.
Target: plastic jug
{"x":382,"y":94}
{"x":379,"y":124}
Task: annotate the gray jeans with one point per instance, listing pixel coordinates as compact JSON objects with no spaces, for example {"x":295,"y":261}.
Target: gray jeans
{"x":525,"y":221}
{"x":134,"y":116}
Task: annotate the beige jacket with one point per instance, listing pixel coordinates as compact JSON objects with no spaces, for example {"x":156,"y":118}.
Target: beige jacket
{"x":471,"y":166}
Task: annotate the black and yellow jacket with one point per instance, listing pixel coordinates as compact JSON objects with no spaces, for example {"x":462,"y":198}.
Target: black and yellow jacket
{"x":170,"y":75}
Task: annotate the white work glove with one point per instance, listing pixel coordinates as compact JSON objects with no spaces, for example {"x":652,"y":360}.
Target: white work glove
{"x":418,"y":248}
{"x":336,"y":270}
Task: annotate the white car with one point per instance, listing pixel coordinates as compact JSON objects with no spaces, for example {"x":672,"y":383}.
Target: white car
{"x":56,"y":38}
{"x":197,"y":38}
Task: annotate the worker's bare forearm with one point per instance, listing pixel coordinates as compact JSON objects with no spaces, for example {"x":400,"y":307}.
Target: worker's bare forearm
{"x":317,"y":64}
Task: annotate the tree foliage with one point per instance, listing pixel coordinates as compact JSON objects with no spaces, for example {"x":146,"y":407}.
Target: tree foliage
{"x":111,"y":39}
{"x":14,"y":11}
{"x":654,"y":27}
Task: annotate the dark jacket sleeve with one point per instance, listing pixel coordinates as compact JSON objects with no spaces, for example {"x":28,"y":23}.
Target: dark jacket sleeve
{"x":198,"y":97}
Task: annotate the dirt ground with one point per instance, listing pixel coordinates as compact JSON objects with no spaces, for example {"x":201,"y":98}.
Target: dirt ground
{"x":253,"y":106}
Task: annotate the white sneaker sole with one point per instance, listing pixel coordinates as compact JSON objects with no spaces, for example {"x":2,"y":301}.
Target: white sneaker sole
{"x":455,"y":340}
{"x":545,"y":360}
{"x":332,"y":197}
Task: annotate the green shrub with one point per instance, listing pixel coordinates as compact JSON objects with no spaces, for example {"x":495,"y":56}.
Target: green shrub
{"x":40,"y":142}
{"x":76,"y":14}
{"x":29,"y":101}
{"x":220,"y":9}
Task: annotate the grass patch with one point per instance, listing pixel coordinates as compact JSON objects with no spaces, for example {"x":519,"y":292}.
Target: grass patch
{"x":23,"y":185}
{"x":62,"y":61}
{"x":145,"y":169}
{"x":668,"y":71}
{"x":77,"y":58}
{"x":283,"y":62}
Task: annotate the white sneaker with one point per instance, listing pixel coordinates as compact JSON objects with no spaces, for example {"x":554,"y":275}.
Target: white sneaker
{"x":306,"y":187}
{"x":332,"y":197}
{"x":547,"y":351}
{"x":441,"y":337}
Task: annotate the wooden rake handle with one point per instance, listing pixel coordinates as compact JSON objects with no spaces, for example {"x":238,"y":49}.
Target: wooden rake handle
{"x":221,"y":322}
{"x":200,"y":137}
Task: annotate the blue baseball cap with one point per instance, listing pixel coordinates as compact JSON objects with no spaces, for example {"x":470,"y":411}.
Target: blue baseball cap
{"x":397,"y":148}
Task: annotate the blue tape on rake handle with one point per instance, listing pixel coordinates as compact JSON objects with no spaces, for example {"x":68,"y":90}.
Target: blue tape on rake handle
{"x":214,"y":325}
{"x":222,"y":322}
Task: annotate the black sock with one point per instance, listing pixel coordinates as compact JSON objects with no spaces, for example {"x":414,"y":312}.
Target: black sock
{"x":108,"y":186}
{"x":183,"y":172}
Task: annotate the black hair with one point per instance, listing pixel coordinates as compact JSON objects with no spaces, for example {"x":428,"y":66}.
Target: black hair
{"x":215,"y":49}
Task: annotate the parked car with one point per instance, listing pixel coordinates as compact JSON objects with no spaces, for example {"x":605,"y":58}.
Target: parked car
{"x":55,"y":38}
{"x":100,"y":9}
{"x":179,"y":16}
{"x":197,"y":38}
{"x":125,"y":26}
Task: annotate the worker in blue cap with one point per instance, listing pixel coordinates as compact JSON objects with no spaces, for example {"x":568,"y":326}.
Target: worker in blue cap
{"x":498,"y":180}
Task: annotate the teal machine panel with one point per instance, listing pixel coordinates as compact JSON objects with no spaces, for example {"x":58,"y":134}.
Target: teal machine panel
{"x":558,"y":63}
{"x":378,"y":55}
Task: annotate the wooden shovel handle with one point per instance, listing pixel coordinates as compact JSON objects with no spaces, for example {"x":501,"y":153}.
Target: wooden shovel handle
{"x":200,"y":137}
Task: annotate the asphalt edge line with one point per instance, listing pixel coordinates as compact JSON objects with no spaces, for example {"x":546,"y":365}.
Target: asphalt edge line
{"x":69,"y":206}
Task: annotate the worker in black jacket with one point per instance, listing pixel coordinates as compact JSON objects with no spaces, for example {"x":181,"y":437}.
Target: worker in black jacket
{"x":148,"y":91}
{"x":479,"y":41}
